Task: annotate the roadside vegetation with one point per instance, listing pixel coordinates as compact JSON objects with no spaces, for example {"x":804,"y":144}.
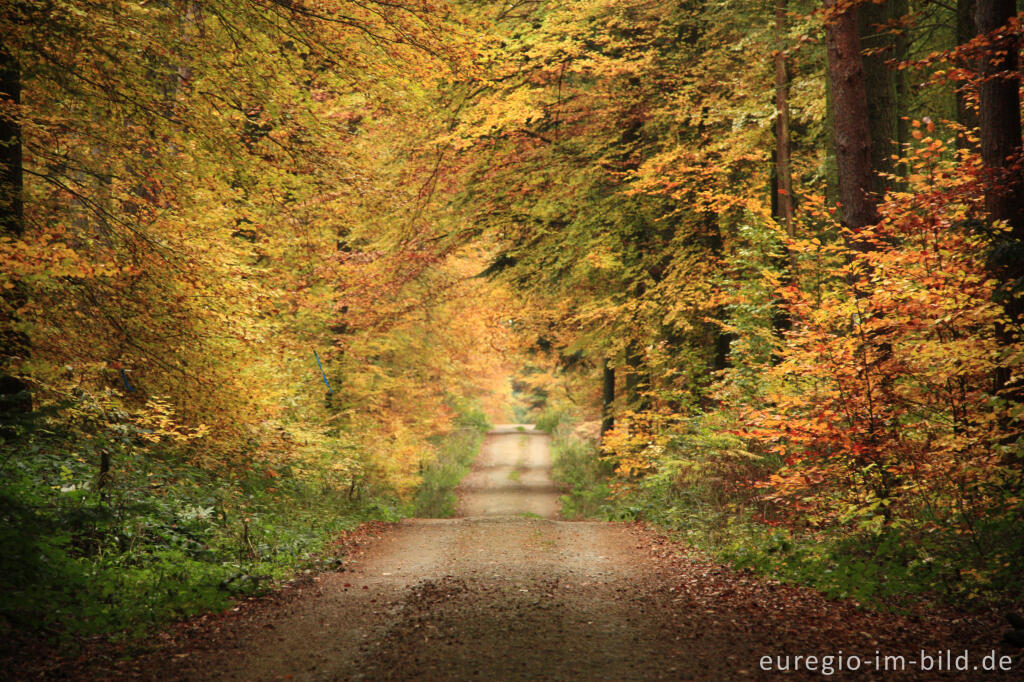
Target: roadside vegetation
{"x":435,"y":496}
{"x":781,"y":251}
{"x":880,"y":568}
{"x":234,"y":320}
{"x":154,"y":538}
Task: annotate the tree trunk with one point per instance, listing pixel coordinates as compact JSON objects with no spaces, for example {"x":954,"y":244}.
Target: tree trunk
{"x":607,"y":397}
{"x":999,"y":116}
{"x":12,"y":212}
{"x":966,"y":30}
{"x":14,"y":396}
{"x":782,"y":177}
{"x":719,"y":340}
{"x":783,"y":174}
{"x":882,"y":84}
{"x":850,"y":116}
{"x":723,"y":343}
{"x":636,"y":377}
{"x":856,"y":179}
{"x":1000,"y":128}
{"x":103,"y":479}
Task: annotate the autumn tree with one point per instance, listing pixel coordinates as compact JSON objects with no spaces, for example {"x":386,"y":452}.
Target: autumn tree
{"x":188,"y":171}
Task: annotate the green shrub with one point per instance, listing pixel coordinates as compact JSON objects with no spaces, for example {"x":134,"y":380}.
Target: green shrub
{"x":577,"y":465}
{"x":550,"y":419}
{"x":435,"y":497}
{"x":884,"y":567}
{"x":164,"y":540}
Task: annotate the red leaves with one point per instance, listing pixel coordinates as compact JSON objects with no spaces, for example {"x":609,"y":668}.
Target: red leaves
{"x":885,"y":391}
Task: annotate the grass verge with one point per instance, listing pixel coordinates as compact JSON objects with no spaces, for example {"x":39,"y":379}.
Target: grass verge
{"x":435,"y":497}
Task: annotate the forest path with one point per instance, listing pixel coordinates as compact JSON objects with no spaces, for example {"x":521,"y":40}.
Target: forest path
{"x":505,"y":591}
{"x":508,"y":592}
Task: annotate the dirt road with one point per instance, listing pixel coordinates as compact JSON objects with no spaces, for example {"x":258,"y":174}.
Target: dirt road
{"x":505,"y":591}
{"x":509,"y":592}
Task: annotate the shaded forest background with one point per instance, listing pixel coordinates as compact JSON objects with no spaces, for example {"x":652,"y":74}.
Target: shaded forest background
{"x":758,"y":266}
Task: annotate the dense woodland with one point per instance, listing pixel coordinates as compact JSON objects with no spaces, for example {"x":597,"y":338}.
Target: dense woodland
{"x":268,"y":265}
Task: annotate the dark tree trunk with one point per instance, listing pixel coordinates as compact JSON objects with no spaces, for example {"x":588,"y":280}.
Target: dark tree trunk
{"x":103,"y":480}
{"x":782,"y":176}
{"x":999,"y":116}
{"x":966,"y":30}
{"x":719,"y":340}
{"x":723,"y":342}
{"x":636,"y":378}
{"x":1000,"y":128}
{"x":14,"y":396}
{"x":883,"y":85}
{"x":607,"y":397}
{"x":850,"y":116}
{"x":783,"y":200}
{"x":856,"y":175}
{"x":12,"y":212}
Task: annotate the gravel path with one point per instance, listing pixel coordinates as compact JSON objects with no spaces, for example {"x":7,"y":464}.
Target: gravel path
{"x":509,"y":592}
{"x":505,"y":591}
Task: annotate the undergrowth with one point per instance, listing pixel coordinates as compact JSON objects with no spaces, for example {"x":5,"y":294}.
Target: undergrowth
{"x":575,"y":464}
{"x":168,"y":541}
{"x":881,"y":568}
{"x":435,"y":497}
{"x":162,"y":539}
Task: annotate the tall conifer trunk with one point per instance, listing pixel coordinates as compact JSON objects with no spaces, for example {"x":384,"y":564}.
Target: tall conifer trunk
{"x":882,"y":42}
{"x":857,"y":187}
{"x":12,"y":214}
{"x":607,"y":397}
{"x":966,"y":30}
{"x":1000,"y":127}
{"x":783,"y":172}
{"x":850,"y":117}
{"x":999,"y":114}
{"x":13,"y":344}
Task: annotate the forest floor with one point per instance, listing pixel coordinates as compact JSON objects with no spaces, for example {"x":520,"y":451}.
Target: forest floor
{"x":506,"y":591}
